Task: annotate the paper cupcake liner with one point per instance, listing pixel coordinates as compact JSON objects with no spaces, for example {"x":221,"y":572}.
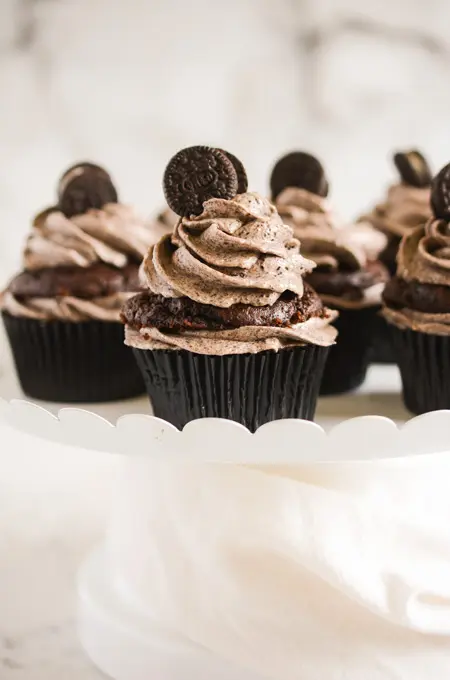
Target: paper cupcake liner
{"x":349,"y":358}
{"x":382,"y":351}
{"x":424,"y":363}
{"x":251,"y":389}
{"x":73,"y":362}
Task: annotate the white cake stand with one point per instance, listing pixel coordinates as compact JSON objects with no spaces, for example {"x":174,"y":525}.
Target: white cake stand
{"x":122,"y":641}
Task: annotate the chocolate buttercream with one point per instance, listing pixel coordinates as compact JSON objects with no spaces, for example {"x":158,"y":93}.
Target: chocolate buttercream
{"x":236,"y":251}
{"x":114,"y":235}
{"x":405,"y":208}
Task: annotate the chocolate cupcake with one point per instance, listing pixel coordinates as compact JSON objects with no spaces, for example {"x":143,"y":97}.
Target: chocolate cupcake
{"x":348,"y":276}
{"x":227,"y":326}
{"x":62,"y":312}
{"x":406,"y":206}
{"x":417,"y":306}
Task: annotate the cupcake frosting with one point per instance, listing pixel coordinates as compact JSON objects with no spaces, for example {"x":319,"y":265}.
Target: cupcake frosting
{"x":424,"y":258}
{"x":66,"y":308}
{"x":405,"y":208}
{"x":332,"y":245}
{"x":114,"y":236}
{"x":424,"y":255}
{"x":235,"y":252}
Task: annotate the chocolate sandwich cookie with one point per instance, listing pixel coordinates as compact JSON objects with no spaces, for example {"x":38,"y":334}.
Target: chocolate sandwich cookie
{"x":240,"y":171}
{"x":83,"y":187}
{"x":440,"y":194}
{"x":413,"y":168}
{"x":196,"y":174}
{"x":301,"y":170}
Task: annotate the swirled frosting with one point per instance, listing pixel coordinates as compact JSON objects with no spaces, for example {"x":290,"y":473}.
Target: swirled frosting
{"x":114,"y":235}
{"x":331,"y":244}
{"x":424,"y":257}
{"x":67,"y":308}
{"x":405,"y":208}
{"x":236,"y":251}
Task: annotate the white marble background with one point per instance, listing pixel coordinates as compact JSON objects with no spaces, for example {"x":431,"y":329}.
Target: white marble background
{"x":128,"y":82}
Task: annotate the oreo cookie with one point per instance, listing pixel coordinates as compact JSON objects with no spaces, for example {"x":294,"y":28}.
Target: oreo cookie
{"x":240,"y":170}
{"x":413,"y":169}
{"x":440,"y":194}
{"x":196,"y":174}
{"x":299,"y":169}
{"x":85,"y":186}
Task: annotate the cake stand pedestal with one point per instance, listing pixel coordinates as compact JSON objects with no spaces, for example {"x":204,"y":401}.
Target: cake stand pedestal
{"x":127,"y":646}
{"x":367,"y":425}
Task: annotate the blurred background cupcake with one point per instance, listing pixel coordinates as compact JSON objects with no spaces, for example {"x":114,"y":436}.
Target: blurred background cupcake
{"x":417,"y":306}
{"x":227,"y":326}
{"x":61,"y":312}
{"x":349,"y":278}
{"x":405,"y":207}
{"x":162,"y":224}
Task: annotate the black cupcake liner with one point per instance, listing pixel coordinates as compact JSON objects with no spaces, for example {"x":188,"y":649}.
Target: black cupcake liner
{"x":382,"y":351}
{"x":73,"y":362}
{"x":251,"y":389}
{"x":424,"y":363}
{"x":349,"y":358}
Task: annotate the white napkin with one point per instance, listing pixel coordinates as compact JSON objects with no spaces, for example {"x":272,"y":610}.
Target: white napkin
{"x":319,"y":572}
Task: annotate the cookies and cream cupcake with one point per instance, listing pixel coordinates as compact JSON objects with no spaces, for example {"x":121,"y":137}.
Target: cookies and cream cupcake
{"x":417,"y":306}
{"x":62,"y":311}
{"x":405,"y":206}
{"x":348,"y":276}
{"x":227,"y":326}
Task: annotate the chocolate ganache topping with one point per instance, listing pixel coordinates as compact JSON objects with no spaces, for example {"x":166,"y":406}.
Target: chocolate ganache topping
{"x":236,"y":255}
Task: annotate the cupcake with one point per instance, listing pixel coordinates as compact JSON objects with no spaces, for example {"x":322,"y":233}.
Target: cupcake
{"x":417,"y":306}
{"x":348,"y":276}
{"x":406,"y":206}
{"x":62,"y":311}
{"x":227,"y":326}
